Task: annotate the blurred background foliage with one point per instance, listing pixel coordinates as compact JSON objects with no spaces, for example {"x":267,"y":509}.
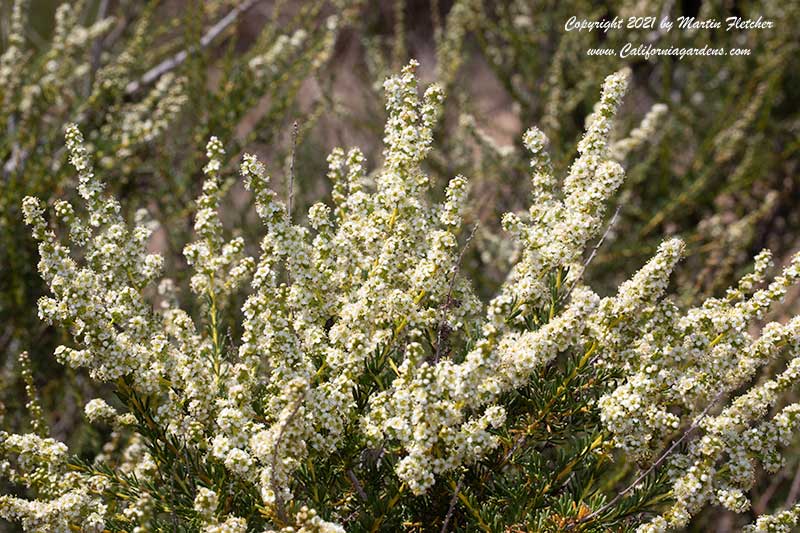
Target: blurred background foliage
{"x":149,"y":81}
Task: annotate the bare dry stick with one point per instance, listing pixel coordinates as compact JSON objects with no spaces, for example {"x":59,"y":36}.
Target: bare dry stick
{"x":447,"y":301}
{"x":290,"y":192}
{"x":176,"y":60}
{"x":652,"y":467}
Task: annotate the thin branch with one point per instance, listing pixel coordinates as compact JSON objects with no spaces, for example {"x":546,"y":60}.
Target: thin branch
{"x":652,"y":467}
{"x":594,"y":251}
{"x":452,"y":506}
{"x":760,"y":505}
{"x":113,"y":36}
{"x":290,"y":192}
{"x":794,"y":490}
{"x":35,"y":38}
{"x":16,"y":160}
{"x":356,"y":484}
{"x":448,"y":300}
{"x":176,"y":60}
{"x":97,"y":45}
{"x":278,"y":499}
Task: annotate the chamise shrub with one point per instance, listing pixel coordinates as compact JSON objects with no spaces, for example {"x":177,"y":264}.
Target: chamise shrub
{"x":370,"y":388}
{"x":708,"y":143}
{"x":146,"y":86}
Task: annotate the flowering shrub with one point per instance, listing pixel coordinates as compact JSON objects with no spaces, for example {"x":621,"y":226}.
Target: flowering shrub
{"x":371,"y":389}
{"x":144,"y":83}
{"x":716,"y":157}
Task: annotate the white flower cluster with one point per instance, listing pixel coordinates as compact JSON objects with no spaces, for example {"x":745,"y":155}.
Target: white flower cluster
{"x":40,"y":463}
{"x":30,"y":88}
{"x":267,"y":64}
{"x":375,"y":282}
{"x":782,"y":522}
{"x":559,"y":228}
{"x":307,"y":521}
{"x":428,"y":407}
{"x":641,"y":134}
{"x":142,"y":122}
{"x":275,"y":55}
{"x":678,"y":363}
{"x":98,"y":410}
{"x":220,"y":266}
{"x":205,"y":503}
{"x":13,"y":55}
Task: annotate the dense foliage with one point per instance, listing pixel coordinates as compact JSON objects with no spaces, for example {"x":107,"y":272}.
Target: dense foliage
{"x":453,"y":339}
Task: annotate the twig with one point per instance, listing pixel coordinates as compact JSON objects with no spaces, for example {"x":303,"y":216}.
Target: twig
{"x":278,"y":499}
{"x":356,"y":484}
{"x":594,"y":251}
{"x":35,"y":38}
{"x":446,"y":305}
{"x":97,"y":45}
{"x":113,"y":36}
{"x":452,"y":507}
{"x":652,"y":467}
{"x":760,"y":505}
{"x":176,"y":60}
{"x":16,"y":160}
{"x":794,"y":490}
{"x":290,"y":192}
